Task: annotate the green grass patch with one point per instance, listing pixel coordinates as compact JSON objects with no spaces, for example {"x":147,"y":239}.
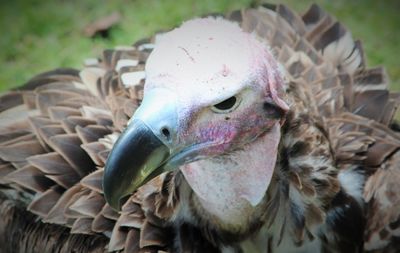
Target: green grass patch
{"x":39,"y":35}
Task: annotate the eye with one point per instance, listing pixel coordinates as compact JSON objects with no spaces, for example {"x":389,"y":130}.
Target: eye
{"x":226,"y":106}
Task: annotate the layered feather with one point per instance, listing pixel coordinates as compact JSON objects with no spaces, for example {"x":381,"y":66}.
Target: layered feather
{"x":58,"y":129}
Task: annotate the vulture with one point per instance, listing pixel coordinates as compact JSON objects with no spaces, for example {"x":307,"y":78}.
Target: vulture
{"x":259,"y":131}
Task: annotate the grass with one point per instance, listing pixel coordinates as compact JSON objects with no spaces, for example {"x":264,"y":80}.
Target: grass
{"x":39,"y":35}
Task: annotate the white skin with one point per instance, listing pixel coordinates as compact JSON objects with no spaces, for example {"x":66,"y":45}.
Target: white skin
{"x":205,"y":62}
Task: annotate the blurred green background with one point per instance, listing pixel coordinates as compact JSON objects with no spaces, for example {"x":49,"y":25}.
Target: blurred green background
{"x":38,"y":35}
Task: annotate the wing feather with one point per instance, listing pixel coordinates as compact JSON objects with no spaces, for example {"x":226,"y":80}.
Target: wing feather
{"x":58,"y":129}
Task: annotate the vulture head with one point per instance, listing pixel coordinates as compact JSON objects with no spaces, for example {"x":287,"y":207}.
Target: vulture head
{"x":213,"y":108}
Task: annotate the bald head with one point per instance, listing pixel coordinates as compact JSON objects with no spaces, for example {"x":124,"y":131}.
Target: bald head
{"x":213,"y":57}
{"x":210,"y":89}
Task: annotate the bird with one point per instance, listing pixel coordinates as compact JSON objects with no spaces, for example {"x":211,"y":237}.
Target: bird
{"x":262,"y":130}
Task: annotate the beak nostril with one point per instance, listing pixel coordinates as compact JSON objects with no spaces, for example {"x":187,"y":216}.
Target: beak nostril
{"x":166,"y":133}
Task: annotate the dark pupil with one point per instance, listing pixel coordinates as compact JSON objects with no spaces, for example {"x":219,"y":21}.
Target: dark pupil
{"x":226,"y":104}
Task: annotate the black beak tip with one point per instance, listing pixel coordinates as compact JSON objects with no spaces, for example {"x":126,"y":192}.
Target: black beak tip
{"x":114,"y":203}
{"x":112,"y":199}
{"x":133,"y":160}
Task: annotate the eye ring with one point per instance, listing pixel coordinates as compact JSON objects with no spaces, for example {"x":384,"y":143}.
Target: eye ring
{"x":226,"y":106}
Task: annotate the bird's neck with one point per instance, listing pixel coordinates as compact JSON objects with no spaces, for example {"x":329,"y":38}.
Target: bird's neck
{"x":304,"y":165}
{"x":230,"y":190}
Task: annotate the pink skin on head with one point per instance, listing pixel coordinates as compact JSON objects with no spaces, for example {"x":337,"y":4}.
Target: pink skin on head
{"x":224,"y":135}
{"x":239,"y":127}
{"x":204,"y":62}
{"x":274,"y":80}
{"x":269,"y":75}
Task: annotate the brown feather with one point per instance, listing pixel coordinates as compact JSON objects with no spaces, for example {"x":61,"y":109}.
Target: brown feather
{"x":68,"y":121}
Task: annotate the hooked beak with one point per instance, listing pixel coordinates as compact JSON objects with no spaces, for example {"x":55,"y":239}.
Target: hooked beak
{"x":136,"y":156}
{"x":143,"y":148}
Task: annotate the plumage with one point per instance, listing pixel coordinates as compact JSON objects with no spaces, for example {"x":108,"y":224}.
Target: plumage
{"x":333,"y":188}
